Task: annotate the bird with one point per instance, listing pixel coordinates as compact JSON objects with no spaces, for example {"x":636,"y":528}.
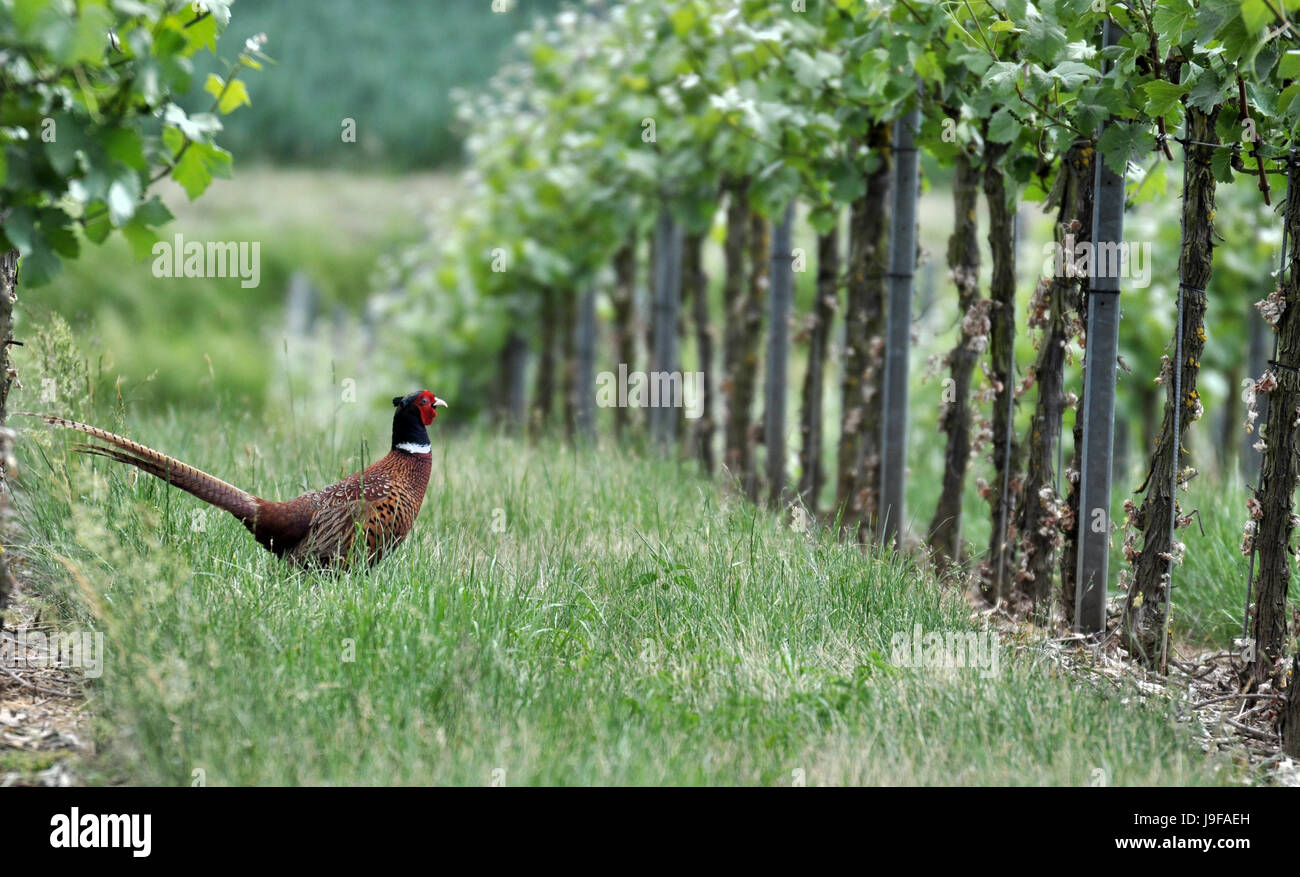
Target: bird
{"x":318,"y":528}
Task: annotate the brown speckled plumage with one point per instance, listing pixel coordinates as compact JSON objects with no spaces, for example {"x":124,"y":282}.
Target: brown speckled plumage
{"x":319,"y":527}
{"x":384,"y":499}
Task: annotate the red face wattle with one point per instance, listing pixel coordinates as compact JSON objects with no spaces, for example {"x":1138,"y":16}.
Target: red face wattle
{"x":426,"y":403}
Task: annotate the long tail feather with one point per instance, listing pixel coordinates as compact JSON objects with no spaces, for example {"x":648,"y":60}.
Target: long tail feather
{"x":208,"y":488}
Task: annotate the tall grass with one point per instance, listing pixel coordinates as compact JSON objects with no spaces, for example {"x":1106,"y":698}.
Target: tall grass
{"x":557,"y":616}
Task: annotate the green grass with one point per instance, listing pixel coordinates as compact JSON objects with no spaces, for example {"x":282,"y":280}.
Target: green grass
{"x":1210,"y":587}
{"x":631,"y":624}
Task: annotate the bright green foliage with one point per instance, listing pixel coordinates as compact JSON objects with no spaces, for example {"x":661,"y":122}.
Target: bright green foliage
{"x":617,"y":110}
{"x":89,"y":120}
{"x":613,"y":113}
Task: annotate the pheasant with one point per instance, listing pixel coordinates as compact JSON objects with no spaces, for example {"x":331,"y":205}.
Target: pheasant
{"x":317,"y":528}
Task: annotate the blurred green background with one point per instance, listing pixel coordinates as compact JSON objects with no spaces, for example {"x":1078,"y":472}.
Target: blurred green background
{"x":390,"y":66}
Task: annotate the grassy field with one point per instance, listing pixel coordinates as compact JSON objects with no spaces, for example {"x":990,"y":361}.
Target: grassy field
{"x":556,"y":617}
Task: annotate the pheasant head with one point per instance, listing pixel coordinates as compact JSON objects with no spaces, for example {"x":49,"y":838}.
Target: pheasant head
{"x":415,"y":411}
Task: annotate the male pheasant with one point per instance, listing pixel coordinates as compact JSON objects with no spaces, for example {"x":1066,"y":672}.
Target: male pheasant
{"x":317,"y":528}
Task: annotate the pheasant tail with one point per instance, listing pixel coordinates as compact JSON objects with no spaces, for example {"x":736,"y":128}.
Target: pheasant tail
{"x":209,"y":488}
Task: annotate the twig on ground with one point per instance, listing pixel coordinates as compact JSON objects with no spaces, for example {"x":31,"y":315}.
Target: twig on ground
{"x":32,"y":685}
{"x":1252,"y":732}
{"x":1221,"y":698}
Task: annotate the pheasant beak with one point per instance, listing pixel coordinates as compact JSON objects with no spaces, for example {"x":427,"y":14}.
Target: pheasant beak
{"x":439,"y":403}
